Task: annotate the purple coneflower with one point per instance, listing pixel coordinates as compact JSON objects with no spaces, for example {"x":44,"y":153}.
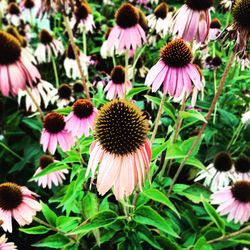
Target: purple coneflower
{"x":214,"y":30}
{"x":17,"y":202}
{"x":54,"y":133}
{"x":118,"y":86}
{"x":121,"y":148}
{"x":242,"y":168}
{"x":15,"y":70}
{"x":64,"y":95}
{"x":128,"y":34}
{"x":13,"y":14}
{"x":81,"y":119}
{"x":176,"y":72}
{"x":192,"y":20}
{"x":234,"y":201}
{"x":48,"y":47}
{"x":47,"y":180}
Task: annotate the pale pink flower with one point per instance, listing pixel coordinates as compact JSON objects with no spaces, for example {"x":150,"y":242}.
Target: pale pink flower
{"x":81,"y":119}
{"x":83,"y":18}
{"x":4,"y":245}
{"x":242,"y":168}
{"x":234,"y":201}
{"x":192,"y":20}
{"x":175,"y":71}
{"x":246,"y":117}
{"x":55,"y":178}
{"x":13,"y":14}
{"x":64,"y":95}
{"x":118,"y":86}
{"x":15,"y":70}
{"x":17,"y":202}
{"x":54,"y":133}
{"x":121,"y":148}
{"x":48,"y":47}
{"x":214,"y":30}
{"x":142,"y":2}
{"x":128,"y":34}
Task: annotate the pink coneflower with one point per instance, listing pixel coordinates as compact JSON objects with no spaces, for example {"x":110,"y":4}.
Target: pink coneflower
{"x":214,"y":30}
{"x":44,"y":92}
{"x":239,"y":31}
{"x":128,"y":34}
{"x":4,"y":245}
{"x":54,"y":133}
{"x":192,"y":20}
{"x":174,"y":69}
{"x":15,"y":70}
{"x":242,"y":168}
{"x":81,"y":119}
{"x":121,"y":148}
{"x":70,"y":63}
{"x":17,"y":202}
{"x":55,"y":178}
{"x":64,"y":95}
{"x":118,"y":86}
{"x":83,"y":18}
{"x":160,"y":20}
{"x":218,"y":174}
{"x":234,"y":201}
{"x":48,"y":47}
{"x":13,"y":14}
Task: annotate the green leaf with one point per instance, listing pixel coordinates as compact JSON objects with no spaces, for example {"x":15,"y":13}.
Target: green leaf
{"x":53,"y":167}
{"x":53,"y":241}
{"x":89,"y":205}
{"x":147,"y":215}
{"x":201,"y":244}
{"x":135,"y":91}
{"x":49,"y":215}
{"x":192,"y":114}
{"x":35,"y":230}
{"x":214,"y":216}
{"x":101,"y":219}
{"x":158,"y":196}
{"x":156,"y":151}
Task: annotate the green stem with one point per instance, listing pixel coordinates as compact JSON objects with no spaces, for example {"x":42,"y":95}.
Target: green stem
{"x":11,"y":151}
{"x":126,"y":70}
{"x":113,"y":60}
{"x":209,"y":114}
{"x":158,"y":118}
{"x":215,"y":89}
{"x":84,"y":41}
{"x":55,"y":70}
{"x":235,"y":135}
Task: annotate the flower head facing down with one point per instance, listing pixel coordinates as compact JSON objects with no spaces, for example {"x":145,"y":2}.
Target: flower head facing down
{"x":234,"y":201}
{"x":218,"y":174}
{"x":64,"y":95}
{"x":81,"y":119}
{"x":121,"y":147}
{"x":118,"y":85}
{"x":128,"y":34}
{"x":17,"y":202}
{"x":179,"y":76}
{"x":242,"y":168}
{"x":47,"y":180}
{"x":192,"y":20}
{"x":54,"y":133}
{"x":15,"y":70}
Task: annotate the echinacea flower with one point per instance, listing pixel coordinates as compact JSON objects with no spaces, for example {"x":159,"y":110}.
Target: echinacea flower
{"x":81,"y":119}
{"x":121,"y":148}
{"x":83,"y":18}
{"x":70,"y":63}
{"x":160,"y":21}
{"x":226,"y":5}
{"x":128,"y":34}
{"x":43,"y":91}
{"x":47,"y":180}
{"x":118,"y":86}
{"x":139,"y":70}
{"x":242,"y":168}
{"x":214,"y":30}
{"x":246,"y":117}
{"x":64,"y":95}
{"x":234,"y":201}
{"x":54,"y":133}
{"x":104,"y":51}
{"x":48,"y":47}
{"x":175,"y":71}
{"x":218,"y":174}
{"x":192,"y":20}
{"x":15,"y":70}
{"x":239,"y":31}
{"x":13,"y":14}
{"x":17,"y":202}
{"x":4,"y":245}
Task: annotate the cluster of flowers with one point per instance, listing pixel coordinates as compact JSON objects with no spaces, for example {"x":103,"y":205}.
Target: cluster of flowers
{"x":121,"y":147}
